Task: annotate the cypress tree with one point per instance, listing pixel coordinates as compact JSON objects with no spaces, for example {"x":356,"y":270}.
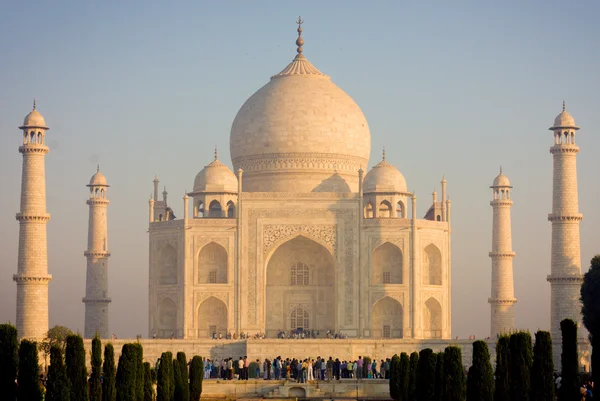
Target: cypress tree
{"x":178,"y":382}
{"x":454,"y":375}
{"x":109,"y":391}
{"x":395,"y":378}
{"x":426,"y":375}
{"x":412,"y":377}
{"x":590,"y":311}
{"x":76,"y":368}
{"x":501,"y":390}
{"x":126,"y":380}
{"x":569,"y":385}
{"x":404,"y":375}
{"x":148,"y":390}
{"x":196,"y":376}
{"x":58,"y":387}
{"x":480,"y":379}
{"x":9,"y":360}
{"x":95,"y":383}
{"x":164,"y":391}
{"x":439,"y":377}
{"x":542,"y":372}
{"x":139,"y":363}
{"x":183,"y":366}
{"x":28,"y":375}
{"x":520,"y":361}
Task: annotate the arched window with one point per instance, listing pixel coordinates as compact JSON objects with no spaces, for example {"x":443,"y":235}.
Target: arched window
{"x":299,"y":274}
{"x":102,"y":193}
{"x":386,"y":267}
{"x":432,"y":265}
{"x":299,"y":319}
{"x":230,"y":210}
{"x":438,"y":218}
{"x":201,"y":209}
{"x":369,"y":211}
{"x":432,"y":319}
{"x":214,"y":209}
{"x":212,"y":264}
{"x":385,"y":209}
{"x":39,"y":138}
{"x":32,"y":137}
{"x":400,"y":210}
{"x":167,"y":268}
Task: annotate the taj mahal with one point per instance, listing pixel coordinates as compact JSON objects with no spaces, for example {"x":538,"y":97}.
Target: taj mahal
{"x":299,"y":234}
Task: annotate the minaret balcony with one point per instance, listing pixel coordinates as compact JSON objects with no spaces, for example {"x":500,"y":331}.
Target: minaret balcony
{"x":565,"y":217}
{"x":502,"y":255}
{"x":96,"y":254}
{"x":564,"y":148}
{"x":22,"y":278}
{"x":570,"y":279}
{"x":96,"y":300}
{"x":32,"y":216}
{"x":34,"y":148}
{"x":507,"y":301}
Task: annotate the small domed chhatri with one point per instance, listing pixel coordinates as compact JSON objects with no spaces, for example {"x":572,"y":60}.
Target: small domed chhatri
{"x":34,"y":119}
{"x":501,"y":181}
{"x":98,"y":179}
{"x":216,"y":177}
{"x":384,"y":177}
{"x":564,"y":120}
{"x":297,"y":131}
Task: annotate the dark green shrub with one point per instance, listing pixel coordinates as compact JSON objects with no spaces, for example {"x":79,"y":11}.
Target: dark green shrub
{"x":76,"y":368}
{"x":426,"y":375}
{"x":109,"y":391}
{"x":412,"y":377}
{"x":95,"y":383}
{"x":148,"y":390}
{"x":520,"y":361}
{"x":126,"y":380}
{"x":395,"y":378}
{"x":58,"y":387}
{"x":252,"y":366}
{"x":501,"y":387}
{"x":480,"y":380}
{"x":28,"y":375}
{"x":196,"y":376}
{"x":139,"y":377}
{"x":9,"y":360}
{"x":542,"y":372}
{"x":404,"y":375}
{"x":183,"y":367}
{"x":164,"y":377}
{"x":439,"y":377}
{"x":569,"y":385}
{"x":590,"y":311}
{"x":454,"y":375}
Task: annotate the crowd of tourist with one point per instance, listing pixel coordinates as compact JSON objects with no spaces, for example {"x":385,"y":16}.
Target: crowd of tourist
{"x":297,"y":369}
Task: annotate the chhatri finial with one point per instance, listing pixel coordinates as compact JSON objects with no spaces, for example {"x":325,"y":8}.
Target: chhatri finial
{"x":98,"y":168}
{"x":216,"y":153}
{"x":299,"y":41}
{"x":34,"y":103}
{"x":564,"y":106}
{"x":383,"y":154}
{"x":500,"y":169}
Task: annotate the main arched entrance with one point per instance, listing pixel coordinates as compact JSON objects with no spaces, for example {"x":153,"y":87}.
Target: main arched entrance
{"x":300,"y":290}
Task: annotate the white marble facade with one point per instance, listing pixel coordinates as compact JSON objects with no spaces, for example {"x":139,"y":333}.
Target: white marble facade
{"x":298,"y":237}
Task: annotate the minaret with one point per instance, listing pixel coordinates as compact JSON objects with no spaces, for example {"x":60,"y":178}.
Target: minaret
{"x":96,"y":298}
{"x":503,"y":299}
{"x":565,"y":271}
{"x":32,"y":276}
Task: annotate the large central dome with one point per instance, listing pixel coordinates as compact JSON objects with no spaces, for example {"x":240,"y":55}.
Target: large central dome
{"x":300,"y":133}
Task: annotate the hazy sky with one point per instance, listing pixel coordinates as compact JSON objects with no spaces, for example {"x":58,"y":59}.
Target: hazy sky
{"x":454,"y":88}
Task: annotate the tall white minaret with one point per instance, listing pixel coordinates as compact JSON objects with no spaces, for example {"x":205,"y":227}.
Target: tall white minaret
{"x":32,"y":276}
{"x":565,"y":274}
{"x":96,"y":298}
{"x":503,"y":300}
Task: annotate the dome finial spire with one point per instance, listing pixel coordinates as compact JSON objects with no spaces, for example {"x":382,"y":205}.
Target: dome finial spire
{"x":564,"y":106}
{"x":34,"y":103}
{"x":500,"y":169}
{"x":216,"y":153}
{"x":98,"y":168}
{"x":383,"y":154}
{"x":299,"y":41}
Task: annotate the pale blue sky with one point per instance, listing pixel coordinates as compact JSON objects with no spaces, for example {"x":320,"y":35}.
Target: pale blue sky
{"x":455,"y":88}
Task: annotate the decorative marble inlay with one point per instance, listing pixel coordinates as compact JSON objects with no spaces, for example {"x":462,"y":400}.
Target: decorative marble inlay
{"x":274,"y":234}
